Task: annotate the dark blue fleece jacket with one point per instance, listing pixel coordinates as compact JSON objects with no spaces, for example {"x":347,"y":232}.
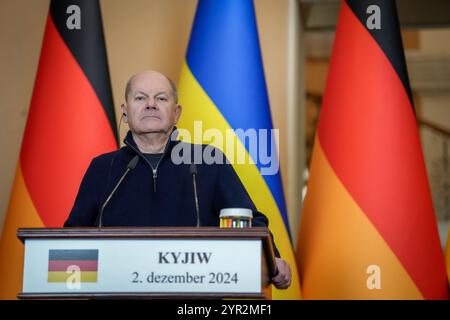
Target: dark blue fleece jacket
{"x":141,"y":200}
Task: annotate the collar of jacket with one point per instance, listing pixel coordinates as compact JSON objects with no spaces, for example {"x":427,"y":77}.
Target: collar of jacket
{"x":131,"y":144}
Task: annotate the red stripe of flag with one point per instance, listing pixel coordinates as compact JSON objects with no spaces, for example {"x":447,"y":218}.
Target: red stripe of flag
{"x":62,"y":265}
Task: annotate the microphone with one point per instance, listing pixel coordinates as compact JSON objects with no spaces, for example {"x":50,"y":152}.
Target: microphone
{"x":193,"y":172}
{"x":131,"y":165}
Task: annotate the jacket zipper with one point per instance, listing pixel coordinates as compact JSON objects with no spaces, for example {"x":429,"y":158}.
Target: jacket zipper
{"x":154,"y":170}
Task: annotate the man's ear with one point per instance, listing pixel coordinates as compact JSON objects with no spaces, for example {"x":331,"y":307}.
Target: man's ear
{"x":178,"y":110}
{"x":124,"y":112}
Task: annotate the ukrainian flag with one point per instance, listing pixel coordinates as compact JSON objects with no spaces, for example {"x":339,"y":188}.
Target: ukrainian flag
{"x":222,"y":85}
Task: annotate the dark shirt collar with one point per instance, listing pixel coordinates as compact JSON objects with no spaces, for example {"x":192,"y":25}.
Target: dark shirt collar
{"x":129,"y":141}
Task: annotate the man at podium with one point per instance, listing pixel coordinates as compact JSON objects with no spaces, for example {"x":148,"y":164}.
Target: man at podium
{"x":144,"y":184}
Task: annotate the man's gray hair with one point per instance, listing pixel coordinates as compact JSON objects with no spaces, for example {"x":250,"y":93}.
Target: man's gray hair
{"x":173,"y":88}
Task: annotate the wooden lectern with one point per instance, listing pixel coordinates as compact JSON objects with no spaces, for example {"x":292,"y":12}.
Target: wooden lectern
{"x":182,"y":262}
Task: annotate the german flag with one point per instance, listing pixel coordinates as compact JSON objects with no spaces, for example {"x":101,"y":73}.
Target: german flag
{"x":64,"y":263}
{"x":368,"y":228}
{"x":71,"y":120}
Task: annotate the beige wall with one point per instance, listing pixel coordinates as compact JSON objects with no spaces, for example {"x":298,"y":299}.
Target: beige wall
{"x":140,"y":34}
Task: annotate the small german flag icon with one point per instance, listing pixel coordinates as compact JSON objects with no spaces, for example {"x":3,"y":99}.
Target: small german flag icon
{"x":64,"y":263}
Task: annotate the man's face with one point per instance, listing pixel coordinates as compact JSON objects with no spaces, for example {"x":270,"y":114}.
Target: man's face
{"x":150,"y":105}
